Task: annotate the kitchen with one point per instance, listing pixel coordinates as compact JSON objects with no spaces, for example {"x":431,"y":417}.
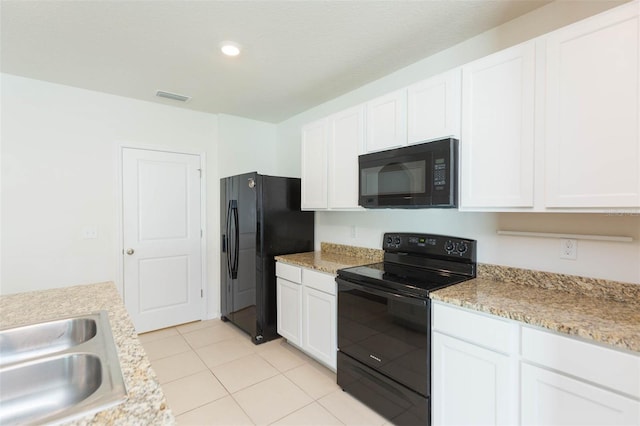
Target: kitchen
{"x":73,"y":185}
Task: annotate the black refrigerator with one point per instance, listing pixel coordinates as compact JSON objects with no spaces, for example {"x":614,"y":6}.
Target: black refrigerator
{"x":260,"y":218}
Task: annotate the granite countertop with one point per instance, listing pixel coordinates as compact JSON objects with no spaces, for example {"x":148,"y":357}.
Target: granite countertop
{"x":145,"y":402}
{"x":332,"y":257}
{"x":603,"y":311}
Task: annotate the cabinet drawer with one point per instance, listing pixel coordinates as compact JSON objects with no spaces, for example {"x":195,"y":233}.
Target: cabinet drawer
{"x":492,"y":333}
{"x":289,"y":272}
{"x":319,"y":281}
{"x":608,"y":367}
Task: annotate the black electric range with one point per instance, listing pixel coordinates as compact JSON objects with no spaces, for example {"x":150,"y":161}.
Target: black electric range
{"x":384,"y":338}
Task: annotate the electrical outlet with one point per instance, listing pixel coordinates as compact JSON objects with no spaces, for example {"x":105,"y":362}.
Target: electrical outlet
{"x":90,"y":232}
{"x":568,"y":249}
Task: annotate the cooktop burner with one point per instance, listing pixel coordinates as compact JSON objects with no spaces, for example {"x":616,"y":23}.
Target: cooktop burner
{"x":417,"y":264}
{"x":405,"y":279}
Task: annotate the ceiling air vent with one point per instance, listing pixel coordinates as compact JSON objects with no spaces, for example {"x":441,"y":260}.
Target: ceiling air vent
{"x":173,"y":96}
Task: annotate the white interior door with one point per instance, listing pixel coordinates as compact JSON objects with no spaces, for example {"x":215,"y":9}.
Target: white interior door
{"x":162,"y":232}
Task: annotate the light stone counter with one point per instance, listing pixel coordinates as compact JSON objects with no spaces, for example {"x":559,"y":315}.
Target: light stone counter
{"x":603,"y":311}
{"x":332,"y":257}
{"x":145,"y":403}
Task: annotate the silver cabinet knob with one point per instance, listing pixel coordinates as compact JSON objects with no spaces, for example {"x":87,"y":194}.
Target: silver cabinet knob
{"x":130,"y":251}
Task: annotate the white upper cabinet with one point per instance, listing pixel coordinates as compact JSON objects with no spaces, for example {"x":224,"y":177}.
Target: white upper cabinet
{"x":433,"y":110}
{"x":554,"y":124}
{"x":314,"y":166}
{"x":592,"y":117}
{"x":330,"y":149}
{"x":497,"y":141}
{"x":346,"y":141}
{"x":387,"y":121}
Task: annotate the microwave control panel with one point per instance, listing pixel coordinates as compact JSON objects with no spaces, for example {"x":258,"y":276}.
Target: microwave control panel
{"x":439,"y":172}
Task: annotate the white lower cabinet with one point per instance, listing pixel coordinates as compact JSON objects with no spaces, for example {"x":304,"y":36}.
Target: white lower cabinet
{"x":550,"y":398}
{"x":307,"y":311}
{"x":566,"y":381}
{"x":289,"y":294}
{"x":319,"y":319}
{"x":473,"y":374}
{"x":470,"y":385}
{"x":487,"y":370}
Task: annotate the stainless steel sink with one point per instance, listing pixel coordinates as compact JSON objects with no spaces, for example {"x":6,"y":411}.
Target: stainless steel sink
{"x":30,"y":341}
{"x":58,"y":370}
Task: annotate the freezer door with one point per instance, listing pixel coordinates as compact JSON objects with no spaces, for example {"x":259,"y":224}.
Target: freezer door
{"x":238,"y":262}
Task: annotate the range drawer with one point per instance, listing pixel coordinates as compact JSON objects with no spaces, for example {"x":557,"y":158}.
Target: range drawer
{"x":400,"y":405}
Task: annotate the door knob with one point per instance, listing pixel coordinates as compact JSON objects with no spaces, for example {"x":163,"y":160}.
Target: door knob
{"x":130,"y":251}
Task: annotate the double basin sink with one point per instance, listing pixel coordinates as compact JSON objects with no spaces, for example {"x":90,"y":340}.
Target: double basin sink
{"x":58,"y":370}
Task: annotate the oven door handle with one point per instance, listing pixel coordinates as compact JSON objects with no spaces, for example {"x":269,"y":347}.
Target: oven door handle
{"x":377,"y":291}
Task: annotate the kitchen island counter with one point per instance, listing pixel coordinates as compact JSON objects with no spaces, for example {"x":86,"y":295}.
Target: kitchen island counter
{"x":145,"y":402}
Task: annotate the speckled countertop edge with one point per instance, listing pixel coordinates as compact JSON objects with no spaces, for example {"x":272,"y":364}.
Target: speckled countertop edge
{"x":593,"y":287}
{"x":145,"y":402}
{"x":599,"y":310}
{"x":332,"y":257}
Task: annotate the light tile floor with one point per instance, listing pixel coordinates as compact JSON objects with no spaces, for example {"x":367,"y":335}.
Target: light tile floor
{"x":212,"y":374}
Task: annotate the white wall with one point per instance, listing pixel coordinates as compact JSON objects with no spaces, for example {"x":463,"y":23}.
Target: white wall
{"x":59,"y":153}
{"x":246,"y":146}
{"x":59,"y":174}
{"x":617,"y":261}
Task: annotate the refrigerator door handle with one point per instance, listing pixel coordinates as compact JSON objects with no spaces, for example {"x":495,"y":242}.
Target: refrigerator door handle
{"x":229,"y":233}
{"x":236,"y":247}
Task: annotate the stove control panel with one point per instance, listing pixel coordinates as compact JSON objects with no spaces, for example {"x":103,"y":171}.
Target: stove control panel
{"x":430,"y":244}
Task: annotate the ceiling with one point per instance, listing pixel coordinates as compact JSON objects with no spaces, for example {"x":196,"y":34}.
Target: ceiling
{"x":296,"y":54}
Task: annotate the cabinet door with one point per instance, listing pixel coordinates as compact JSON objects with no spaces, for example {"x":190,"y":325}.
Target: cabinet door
{"x":497,"y":141}
{"x":289,"y":306}
{"x":387,"y":122}
{"x":314,"y":166}
{"x":549,"y":398}
{"x":346,"y":140}
{"x":592,"y":146}
{"x":470,"y":385}
{"x":319,"y":325}
{"x":433,"y":108}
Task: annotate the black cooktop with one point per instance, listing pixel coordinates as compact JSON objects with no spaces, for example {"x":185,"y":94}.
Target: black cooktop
{"x":413,"y":281}
{"x":417,"y":264}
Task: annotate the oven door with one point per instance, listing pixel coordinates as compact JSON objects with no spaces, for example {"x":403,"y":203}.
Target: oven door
{"x":386,"y":331}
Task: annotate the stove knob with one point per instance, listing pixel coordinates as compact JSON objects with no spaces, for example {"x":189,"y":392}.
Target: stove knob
{"x":462,"y":247}
{"x":449,"y":246}
{"x":389,"y":240}
{"x":397,"y":240}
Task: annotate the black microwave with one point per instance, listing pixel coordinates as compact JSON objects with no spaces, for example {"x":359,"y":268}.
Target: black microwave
{"x":416,"y":176}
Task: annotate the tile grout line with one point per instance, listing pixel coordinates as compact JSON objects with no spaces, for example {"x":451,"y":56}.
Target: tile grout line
{"x":260,"y":353}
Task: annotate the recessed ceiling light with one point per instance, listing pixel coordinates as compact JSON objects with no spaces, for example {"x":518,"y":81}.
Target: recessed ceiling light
{"x":230,"y":48}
